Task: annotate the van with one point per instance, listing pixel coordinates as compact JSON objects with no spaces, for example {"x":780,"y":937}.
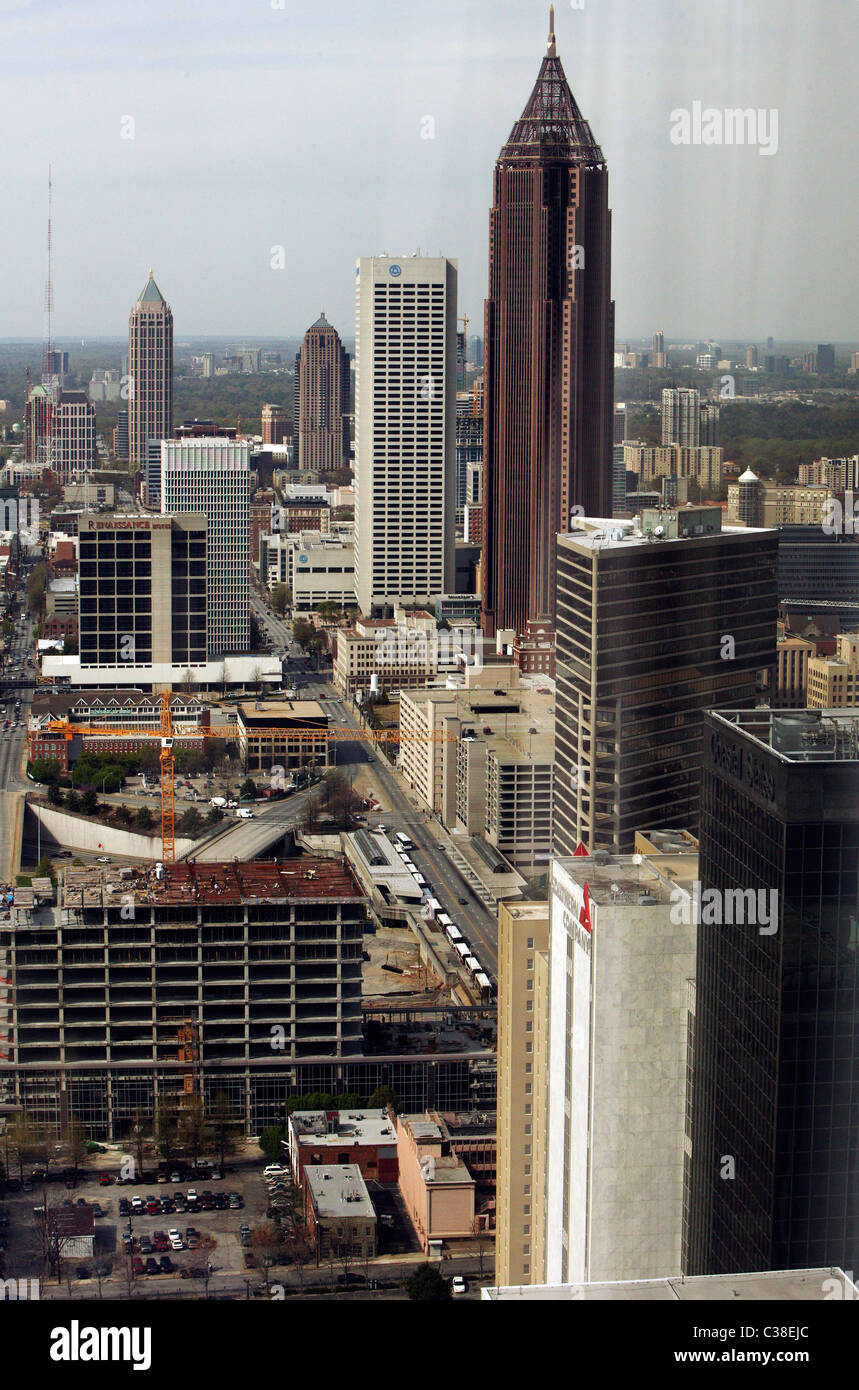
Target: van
{"x":244,"y":815}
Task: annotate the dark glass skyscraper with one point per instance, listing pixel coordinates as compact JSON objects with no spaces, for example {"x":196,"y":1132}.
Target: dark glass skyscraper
{"x":773,"y":1179}
{"x":549,"y":343}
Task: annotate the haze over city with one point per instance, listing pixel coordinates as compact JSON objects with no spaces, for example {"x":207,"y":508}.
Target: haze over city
{"x":257,"y":127}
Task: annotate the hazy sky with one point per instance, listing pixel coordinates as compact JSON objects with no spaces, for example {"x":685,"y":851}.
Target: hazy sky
{"x":300,"y":126}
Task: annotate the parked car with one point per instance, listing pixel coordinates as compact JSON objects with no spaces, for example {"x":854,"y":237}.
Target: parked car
{"x":167,"y":1265}
{"x":104,"y":1180}
{"x":138,"y":1267}
{"x":458,"y":1284}
{"x":152,"y":1266}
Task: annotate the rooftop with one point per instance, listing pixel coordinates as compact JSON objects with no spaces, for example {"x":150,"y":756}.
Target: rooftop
{"x":798,"y":735}
{"x":623,"y":880}
{"x":337,"y":1190}
{"x":266,"y":711}
{"x":615,"y":533}
{"x":343,"y":1126}
{"x":99,"y":885}
{"x":806,"y":1285}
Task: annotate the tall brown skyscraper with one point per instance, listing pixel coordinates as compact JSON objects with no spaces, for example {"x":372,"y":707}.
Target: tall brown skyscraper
{"x":322,"y":399}
{"x":150,"y":371}
{"x":549,"y":348}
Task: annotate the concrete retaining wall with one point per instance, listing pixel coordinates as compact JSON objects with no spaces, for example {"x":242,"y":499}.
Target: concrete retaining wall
{"x":77,"y":833}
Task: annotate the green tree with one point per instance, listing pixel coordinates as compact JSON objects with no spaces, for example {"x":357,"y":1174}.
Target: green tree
{"x":426,"y":1285}
{"x":225,"y":1125}
{"x":89,"y":802}
{"x":269,"y":1142}
{"x":55,"y":796}
{"x":303,"y":632}
{"x":281,"y":599}
{"x":45,"y":869}
{"x":45,"y":769}
{"x":36,"y":586}
{"x":143,"y":819}
{"x":247,"y":791}
{"x":73,"y":801}
{"x":190,"y":823}
{"x":382,"y":1097}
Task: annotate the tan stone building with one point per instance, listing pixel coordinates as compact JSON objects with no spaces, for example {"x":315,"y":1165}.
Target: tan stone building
{"x":523,"y":943}
{"x":792,"y":658}
{"x":833,"y":681}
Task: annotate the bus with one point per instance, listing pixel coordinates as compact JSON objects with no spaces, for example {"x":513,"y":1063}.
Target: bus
{"x":419,"y":880}
{"x":473,"y":964}
{"x":434,"y":908}
{"x":403,"y":841}
{"x":444,"y":921}
{"x":453,"y":934}
{"x":462,"y":949}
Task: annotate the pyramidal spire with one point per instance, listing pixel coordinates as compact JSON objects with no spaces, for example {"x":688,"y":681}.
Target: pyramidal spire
{"x":150,"y":294}
{"x":552,"y":127}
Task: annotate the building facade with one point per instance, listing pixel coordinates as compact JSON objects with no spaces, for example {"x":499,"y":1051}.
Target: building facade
{"x":150,"y":371}
{"x":212,"y":476}
{"x":322,"y":390}
{"x":549,"y":342}
{"x":405,"y":430}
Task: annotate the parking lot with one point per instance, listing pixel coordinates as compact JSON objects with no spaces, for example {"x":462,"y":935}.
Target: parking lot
{"x":210,"y":1234}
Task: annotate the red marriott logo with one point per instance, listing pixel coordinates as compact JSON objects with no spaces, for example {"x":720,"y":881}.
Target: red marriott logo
{"x":585,"y":911}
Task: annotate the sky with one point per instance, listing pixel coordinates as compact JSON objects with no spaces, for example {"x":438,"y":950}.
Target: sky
{"x":259,"y":124}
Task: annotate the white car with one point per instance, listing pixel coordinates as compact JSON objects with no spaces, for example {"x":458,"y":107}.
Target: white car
{"x":457,"y":1284}
{"x":174,"y":1233}
{"x":102,"y":859}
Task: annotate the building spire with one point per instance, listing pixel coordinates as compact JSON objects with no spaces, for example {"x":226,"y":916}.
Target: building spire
{"x":551,"y":50}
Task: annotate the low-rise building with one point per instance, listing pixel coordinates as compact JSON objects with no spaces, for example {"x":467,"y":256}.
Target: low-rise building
{"x":302,"y":737}
{"x":437,"y":1187}
{"x":340,"y":1216}
{"x":365,"y":1139}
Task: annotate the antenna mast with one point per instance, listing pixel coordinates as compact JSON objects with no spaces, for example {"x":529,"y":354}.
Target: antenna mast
{"x":48,"y":347}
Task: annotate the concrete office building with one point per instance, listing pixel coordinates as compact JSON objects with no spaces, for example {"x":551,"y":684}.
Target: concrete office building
{"x":681,"y":416}
{"x":405,"y":430}
{"x":549,"y":333}
{"x":274,"y":424}
{"x":321,"y":570}
{"x":138,"y":985}
{"x":777,"y":1025}
{"x":753,"y":501}
{"x":833,"y":681}
{"x":620,"y":967}
{"x":523,"y":993}
{"x":142,"y":583}
{"x":73,"y":447}
{"x":212,"y":476}
{"x":322,"y":390}
{"x":792,"y":657}
{"x":658,"y":358}
{"x":654,"y":621}
{"x":816,"y":567}
{"x":150,"y":371}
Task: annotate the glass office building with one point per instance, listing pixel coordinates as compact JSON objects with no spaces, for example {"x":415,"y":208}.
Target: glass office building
{"x":772,"y":1178}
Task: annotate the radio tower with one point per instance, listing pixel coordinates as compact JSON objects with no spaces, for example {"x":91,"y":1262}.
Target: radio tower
{"x":48,"y":346}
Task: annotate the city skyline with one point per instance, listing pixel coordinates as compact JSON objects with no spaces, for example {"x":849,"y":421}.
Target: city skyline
{"x":450,"y":80}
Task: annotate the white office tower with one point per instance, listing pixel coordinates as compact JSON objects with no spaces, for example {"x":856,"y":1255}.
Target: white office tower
{"x":621,"y":972}
{"x":212,"y":476}
{"x":405,"y":430}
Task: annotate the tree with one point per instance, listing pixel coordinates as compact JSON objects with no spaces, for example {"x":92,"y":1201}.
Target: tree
{"x":382,"y":1097}
{"x":70,"y":646}
{"x":55,"y":796}
{"x":89,"y":802}
{"x":190,"y":823}
{"x":45,"y":869}
{"x":192,"y":1128}
{"x":138,"y":1133}
{"x":297,"y":1247}
{"x":143,"y":819}
{"x":482,"y":1238}
{"x":76,"y":1141}
{"x":269,"y":1142}
{"x":166,"y":1126}
{"x":45,"y":770}
{"x":36,"y":586}
{"x":281,"y":599}
{"x":303,"y":632}
{"x":266,"y":1243}
{"x":426,"y":1285}
{"x":73,"y":801}
{"x":247,"y":791}
{"x":224,"y":1124}
{"x":22,"y":1141}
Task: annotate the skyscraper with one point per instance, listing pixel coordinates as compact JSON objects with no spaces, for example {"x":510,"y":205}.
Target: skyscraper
{"x":322,"y":384}
{"x":150,"y":371}
{"x":405,"y":430}
{"x":657,"y":351}
{"x":73,"y":446}
{"x":212,"y":476}
{"x":681,"y":416}
{"x":773,"y":1181}
{"x":549,"y":344}
{"x":656,"y":622}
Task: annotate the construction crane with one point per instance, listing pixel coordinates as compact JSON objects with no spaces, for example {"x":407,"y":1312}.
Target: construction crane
{"x":311,"y":733}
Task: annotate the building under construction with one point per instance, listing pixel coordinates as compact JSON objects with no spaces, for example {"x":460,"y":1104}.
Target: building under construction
{"x":126,"y":988}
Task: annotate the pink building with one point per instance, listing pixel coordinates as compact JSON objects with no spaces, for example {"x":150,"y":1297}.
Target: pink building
{"x":437,"y":1188}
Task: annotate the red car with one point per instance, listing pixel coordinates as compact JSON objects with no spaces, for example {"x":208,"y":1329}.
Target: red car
{"x":104,"y":1180}
{"x":138,"y":1266}
{"x":153,"y":1208}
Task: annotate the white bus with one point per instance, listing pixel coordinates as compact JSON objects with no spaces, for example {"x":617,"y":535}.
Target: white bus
{"x":462,"y":948}
{"x":419,"y":880}
{"x":453,"y":934}
{"x":434,"y":908}
{"x":444,"y":921}
{"x":473,"y":964}
{"x":403,"y":841}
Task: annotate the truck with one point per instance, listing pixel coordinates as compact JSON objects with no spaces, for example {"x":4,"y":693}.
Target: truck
{"x":219,"y":801}
{"x":244,"y":815}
